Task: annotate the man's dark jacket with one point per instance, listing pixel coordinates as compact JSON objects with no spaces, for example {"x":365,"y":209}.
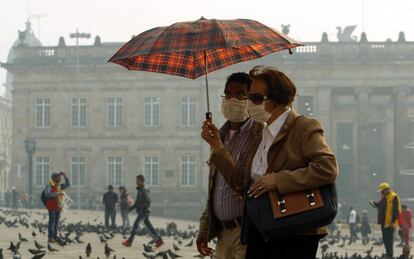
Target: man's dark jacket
{"x":110,"y":199}
{"x":143,"y":201}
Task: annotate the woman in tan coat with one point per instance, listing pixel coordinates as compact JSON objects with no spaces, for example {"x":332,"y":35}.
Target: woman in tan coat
{"x":304,"y":162}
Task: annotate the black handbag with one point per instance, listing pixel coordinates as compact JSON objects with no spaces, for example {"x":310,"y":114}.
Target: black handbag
{"x":275,"y":215}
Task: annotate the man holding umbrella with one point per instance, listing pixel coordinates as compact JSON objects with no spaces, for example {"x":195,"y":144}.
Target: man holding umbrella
{"x":224,"y":209}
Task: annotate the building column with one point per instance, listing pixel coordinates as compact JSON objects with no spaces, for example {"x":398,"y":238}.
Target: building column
{"x":324,"y":110}
{"x":401,"y":136}
{"x":362,"y":169}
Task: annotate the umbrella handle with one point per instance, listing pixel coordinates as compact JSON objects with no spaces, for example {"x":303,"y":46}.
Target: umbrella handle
{"x":209,"y":116}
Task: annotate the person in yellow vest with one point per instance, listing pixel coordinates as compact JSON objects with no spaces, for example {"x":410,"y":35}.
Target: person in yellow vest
{"x":388,"y":210}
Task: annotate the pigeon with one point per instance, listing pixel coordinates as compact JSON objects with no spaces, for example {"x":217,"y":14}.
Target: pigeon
{"x":88,"y":250}
{"x":108,"y":250}
{"x":102,"y":239}
{"x":38,"y":246}
{"x":324,"y":247}
{"x":51,"y":249}
{"x":12,"y":247}
{"x":176,"y":248}
{"x":38,"y":256}
{"x":148,"y":249}
{"x":22,"y":239}
{"x":35,"y":252}
{"x":172,"y":255}
{"x":190,"y":244}
{"x":368,"y":252}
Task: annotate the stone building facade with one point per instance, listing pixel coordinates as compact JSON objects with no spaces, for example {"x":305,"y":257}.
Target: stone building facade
{"x":5,"y":145}
{"x":106,"y":125}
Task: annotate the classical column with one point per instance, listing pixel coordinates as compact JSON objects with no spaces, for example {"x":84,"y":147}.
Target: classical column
{"x":401,"y":136}
{"x":362,"y":169}
{"x":323,"y":107}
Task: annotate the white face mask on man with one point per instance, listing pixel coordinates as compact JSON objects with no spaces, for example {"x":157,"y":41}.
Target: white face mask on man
{"x":258,"y":112}
{"x":234,"y":110}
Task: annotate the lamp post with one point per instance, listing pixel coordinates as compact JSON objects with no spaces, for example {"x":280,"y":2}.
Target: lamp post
{"x":30,"y":145}
{"x":77,"y":35}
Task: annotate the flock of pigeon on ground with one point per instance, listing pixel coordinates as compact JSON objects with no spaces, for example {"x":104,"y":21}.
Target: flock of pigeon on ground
{"x":341,"y":241}
{"x":71,"y":233}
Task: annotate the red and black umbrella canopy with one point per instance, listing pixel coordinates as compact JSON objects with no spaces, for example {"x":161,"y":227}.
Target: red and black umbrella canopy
{"x":192,"y":49}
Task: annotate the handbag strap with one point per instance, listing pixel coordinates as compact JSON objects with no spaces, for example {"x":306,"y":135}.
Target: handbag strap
{"x":282,"y":143}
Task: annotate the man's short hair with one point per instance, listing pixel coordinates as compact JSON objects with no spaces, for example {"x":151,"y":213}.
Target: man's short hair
{"x":110,"y":187}
{"x":404,"y":207}
{"x":240,"y":77}
{"x":141,"y":177}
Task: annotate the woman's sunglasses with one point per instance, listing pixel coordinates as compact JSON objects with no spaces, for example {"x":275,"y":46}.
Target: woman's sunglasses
{"x":257,"y":98}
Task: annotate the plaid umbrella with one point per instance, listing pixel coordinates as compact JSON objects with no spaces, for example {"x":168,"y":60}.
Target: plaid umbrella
{"x":192,"y":49}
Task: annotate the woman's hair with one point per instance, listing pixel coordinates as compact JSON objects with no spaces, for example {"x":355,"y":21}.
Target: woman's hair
{"x":281,"y":89}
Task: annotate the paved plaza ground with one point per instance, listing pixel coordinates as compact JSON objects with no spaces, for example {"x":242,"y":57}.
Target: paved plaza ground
{"x":73,"y":251}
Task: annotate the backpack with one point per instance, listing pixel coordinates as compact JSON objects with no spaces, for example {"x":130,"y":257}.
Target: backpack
{"x":43,"y":197}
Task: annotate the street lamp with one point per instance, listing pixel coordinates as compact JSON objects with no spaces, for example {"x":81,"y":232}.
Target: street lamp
{"x":30,"y":145}
{"x":77,"y":35}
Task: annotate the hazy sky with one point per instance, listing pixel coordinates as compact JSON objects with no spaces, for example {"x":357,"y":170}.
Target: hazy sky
{"x":118,"y":20}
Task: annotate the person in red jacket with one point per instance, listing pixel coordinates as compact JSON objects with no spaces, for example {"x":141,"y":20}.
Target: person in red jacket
{"x":404,"y":221}
{"x":54,"y":203}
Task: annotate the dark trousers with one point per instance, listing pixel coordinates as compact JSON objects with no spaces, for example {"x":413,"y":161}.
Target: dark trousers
{"x":110,"y":213}
{"x":53,"y":224}
{"x":388,"y":238}
{"x":305,"y":246}
{"x":143,"y":216}
{"x":353,"y":231}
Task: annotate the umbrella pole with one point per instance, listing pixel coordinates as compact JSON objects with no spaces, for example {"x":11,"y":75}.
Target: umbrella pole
{"x":209,"y":116}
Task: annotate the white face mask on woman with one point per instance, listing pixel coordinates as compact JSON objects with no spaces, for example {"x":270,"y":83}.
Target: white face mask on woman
{"x":258,"y":112}
{"x":234,"y":110}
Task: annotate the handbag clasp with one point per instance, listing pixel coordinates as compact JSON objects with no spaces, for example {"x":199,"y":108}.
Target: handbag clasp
{"x":282,"y":205}
{"x":311,"y":199}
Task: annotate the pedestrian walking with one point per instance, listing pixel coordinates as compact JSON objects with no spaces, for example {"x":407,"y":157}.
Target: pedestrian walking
{"x":143,"y":207}
{"x":110,"y":199}
{"x":222,"y":215}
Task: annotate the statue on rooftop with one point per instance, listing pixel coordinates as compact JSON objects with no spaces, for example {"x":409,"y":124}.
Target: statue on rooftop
{"x":345,"y":35}
{"x":285,"y":29}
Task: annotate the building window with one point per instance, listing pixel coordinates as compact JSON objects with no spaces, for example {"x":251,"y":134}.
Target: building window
{"x":151,"y":168}
{"x":188,"y":170}
{"x":152,"y":112}
{"x":79,"y":112}
{"x":115,"y":170}
{"x":42,"y":170}
{"x":78,"y":171}
{"x":304,"y":105}
{"x":188,"y":111}
{"x":115,"y":112}
{"x":43,"y":112}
